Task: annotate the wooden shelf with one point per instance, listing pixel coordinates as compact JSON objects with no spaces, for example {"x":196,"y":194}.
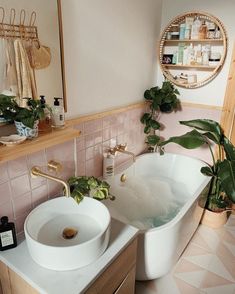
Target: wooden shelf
{"x":56,"y":136}
{"x":197,"y":67}
{"x":175,"y":42}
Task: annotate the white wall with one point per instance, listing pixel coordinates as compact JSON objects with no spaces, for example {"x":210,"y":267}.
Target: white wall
{"x":49,"y":80}
{"x":110,"y":52}
{"x":212,"y":93}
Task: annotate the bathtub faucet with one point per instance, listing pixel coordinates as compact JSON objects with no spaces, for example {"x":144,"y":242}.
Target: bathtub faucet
{"x":122,"y":149}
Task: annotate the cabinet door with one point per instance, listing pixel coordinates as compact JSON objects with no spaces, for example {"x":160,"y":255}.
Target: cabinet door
{"x":128,"y":285}
{"x":5,"y":287}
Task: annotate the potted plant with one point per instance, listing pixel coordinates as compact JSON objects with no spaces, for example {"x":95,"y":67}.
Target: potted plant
{"x":89,"y":186}
{"x":26,"y":119}
{"x":162,"y":99}
{"x":221,"y":193}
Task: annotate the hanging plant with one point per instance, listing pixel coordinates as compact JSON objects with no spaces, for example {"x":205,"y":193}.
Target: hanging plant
{"x":162,"y":99}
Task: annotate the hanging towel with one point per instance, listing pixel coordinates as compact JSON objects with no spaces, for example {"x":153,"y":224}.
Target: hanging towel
{"x":11,"y":83}
{"x":25,"y":76}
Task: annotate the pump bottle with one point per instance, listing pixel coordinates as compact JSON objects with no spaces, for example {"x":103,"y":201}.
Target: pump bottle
{"x":7,"y":234}
{"x":58,"y":120}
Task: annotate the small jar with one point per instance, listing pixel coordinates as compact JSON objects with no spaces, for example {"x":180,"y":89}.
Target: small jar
{"x":211,"y":34}
{"x":175,"y":36}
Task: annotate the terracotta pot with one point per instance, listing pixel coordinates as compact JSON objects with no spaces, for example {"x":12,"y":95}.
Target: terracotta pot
{"x":213,"y":219}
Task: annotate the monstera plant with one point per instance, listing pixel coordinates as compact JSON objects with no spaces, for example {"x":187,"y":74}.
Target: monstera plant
{"x":222,"y":170}
{"x":162,"y":99}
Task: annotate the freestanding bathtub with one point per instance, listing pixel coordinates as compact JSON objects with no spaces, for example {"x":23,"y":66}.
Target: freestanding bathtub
{"x":160,"y":241}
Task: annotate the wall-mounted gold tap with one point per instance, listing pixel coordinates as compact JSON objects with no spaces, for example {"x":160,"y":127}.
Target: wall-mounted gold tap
{"x":122,"y":149}
{"x":55,"y":166}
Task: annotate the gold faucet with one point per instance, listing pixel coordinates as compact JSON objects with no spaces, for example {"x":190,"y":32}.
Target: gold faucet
{"x":52,"y":165}
{"x":122,"y":149}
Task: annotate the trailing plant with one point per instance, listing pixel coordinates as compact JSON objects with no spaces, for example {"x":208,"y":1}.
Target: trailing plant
{"x":11,"y":111}
{"x":89,"y":186}
{"x":222,"y":170}
{"x":162,"y":99}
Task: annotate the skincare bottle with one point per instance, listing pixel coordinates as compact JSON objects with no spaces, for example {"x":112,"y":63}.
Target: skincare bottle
{"x":7,"y":234}
{"x":45,"y":123}
{"x":108,"y":165}
{"x":58,"y":120}
{"x":195,"y":29}
{"x":182,"y":31}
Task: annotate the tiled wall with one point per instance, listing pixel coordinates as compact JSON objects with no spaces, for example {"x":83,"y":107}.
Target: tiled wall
{"x":19,"y":193}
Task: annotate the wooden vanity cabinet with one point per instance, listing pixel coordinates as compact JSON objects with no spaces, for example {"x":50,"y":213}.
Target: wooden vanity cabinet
{"x":117,"y":278}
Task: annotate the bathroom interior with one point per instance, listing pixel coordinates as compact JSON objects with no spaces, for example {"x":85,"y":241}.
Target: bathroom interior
{"x":104,"y":56}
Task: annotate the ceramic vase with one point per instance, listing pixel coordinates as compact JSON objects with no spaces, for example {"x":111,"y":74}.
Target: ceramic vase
{"x":23,"y":130}
{"x":213,"y":219}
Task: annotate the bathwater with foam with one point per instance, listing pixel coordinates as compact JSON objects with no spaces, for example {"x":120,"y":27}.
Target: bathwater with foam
{"x":147,"y":202}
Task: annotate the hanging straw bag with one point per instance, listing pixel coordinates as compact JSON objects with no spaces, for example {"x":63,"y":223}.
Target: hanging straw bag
{"x":40,"y":57}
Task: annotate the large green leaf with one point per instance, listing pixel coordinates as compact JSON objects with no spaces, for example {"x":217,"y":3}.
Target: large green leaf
{"x":190,"y":140}
{"x":226,"y":174}
{"x":206,"y":125}
{"x":207,"y":171}
{"x":229,"y":149}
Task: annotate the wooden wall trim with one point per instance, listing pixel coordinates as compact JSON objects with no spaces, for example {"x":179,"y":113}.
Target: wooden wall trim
{"x":78,"y":120}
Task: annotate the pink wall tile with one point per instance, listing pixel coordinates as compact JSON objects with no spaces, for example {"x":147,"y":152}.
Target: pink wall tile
{"x":20,"y":186}
{"x":5,"y":192}
{"x":19,"y":223}
{"x":39,"y":195}
{"x":110,"y":120}
{"x":80,"y":143}
{"x":3,"y":173}
{"x":93,"y":139}
{"x":37,"y":158}
{"x":17,"y":167}
{"x":7,"y":209}
{"x":92,"y":126}
{"x":94,"y":167}
{"x":22,"y":205}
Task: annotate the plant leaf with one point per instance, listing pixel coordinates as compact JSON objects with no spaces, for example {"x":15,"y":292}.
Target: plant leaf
{"x":190,"y":140}
{"x":153,"y":140}
{"x":229,"y":149}
{"x":226,"y":174}
{"x":146,"y":116}
{"x":207,"y":171}
{"x":206,"y":125}
{"x":154,"y":124}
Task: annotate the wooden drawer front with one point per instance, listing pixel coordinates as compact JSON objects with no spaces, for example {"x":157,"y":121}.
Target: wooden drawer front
{"x":128,"y":285}
{"x":5,"y":287}
{"x":115,"y":274}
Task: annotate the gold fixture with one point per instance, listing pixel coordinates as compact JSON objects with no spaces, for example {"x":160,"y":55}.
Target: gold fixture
{"x":122,"y":149}
{"x":55,"y":166}
{"x":123,"y":178}
{"x":35,"y":171}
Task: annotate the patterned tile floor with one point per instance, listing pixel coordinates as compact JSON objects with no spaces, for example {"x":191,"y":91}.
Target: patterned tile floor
{"x":207,"y":266}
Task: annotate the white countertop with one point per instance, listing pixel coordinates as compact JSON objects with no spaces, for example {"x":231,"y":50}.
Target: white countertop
{"x":72,"y":282}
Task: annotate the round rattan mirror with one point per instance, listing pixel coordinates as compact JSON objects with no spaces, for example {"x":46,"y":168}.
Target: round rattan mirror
{"x":193,"y":49}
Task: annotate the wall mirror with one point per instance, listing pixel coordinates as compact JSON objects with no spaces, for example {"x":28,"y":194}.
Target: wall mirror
{"x":26,"y":20}
{"x":193,"y":49}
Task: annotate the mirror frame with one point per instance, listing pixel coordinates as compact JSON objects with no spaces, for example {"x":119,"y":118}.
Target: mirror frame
{"x":61,"y":39}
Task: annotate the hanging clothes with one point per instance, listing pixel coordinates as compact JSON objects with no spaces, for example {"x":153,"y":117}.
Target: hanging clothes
{"x":11,"y":83}
{"x":25,"y":75}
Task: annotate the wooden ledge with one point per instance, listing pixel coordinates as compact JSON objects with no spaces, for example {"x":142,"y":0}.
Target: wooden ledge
{"x":56,"y":136}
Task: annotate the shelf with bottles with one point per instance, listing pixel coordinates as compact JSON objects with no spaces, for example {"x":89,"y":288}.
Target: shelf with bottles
{"x":194,"y":40}
{"x":195,"y":66}
{"x":209,"y":41}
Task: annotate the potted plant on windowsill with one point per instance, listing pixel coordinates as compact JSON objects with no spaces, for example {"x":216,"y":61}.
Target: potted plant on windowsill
{"x":25,"y":119}
{"x":221,"y":194}
{"x":162,"y":99}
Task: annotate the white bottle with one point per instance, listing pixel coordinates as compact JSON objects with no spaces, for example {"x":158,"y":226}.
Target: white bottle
{"x":195,"y":29}
{"x":58,"y":119}
{"x":108,"y":165}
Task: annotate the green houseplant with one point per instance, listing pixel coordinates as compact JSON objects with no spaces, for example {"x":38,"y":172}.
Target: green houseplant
{"x":25,"y":118}
{"x":91,"y":186}
{"x":222,"y":171}
{"x":162,"y":99}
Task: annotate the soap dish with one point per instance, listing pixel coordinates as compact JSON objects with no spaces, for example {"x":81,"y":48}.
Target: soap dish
{"x":12,"y":140}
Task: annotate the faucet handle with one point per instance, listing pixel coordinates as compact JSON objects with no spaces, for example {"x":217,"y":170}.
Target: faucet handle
{"x":122,"y":146}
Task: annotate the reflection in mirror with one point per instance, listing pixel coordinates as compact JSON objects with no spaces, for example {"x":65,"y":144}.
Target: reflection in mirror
{"x":30,"y":55}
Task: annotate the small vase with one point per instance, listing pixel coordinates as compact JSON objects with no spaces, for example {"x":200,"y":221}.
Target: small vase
{"x":213,"y":219}
{"x":23,"y":130}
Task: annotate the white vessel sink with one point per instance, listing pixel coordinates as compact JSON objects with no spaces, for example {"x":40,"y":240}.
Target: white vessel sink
{"x":44,"y":228}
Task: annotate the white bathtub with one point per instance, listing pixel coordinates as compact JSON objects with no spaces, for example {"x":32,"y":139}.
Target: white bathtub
{"x":160,"y":245}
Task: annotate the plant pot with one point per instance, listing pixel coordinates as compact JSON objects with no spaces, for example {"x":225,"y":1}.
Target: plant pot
{"x":213,"y":219}
{"x":23,"y":130}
